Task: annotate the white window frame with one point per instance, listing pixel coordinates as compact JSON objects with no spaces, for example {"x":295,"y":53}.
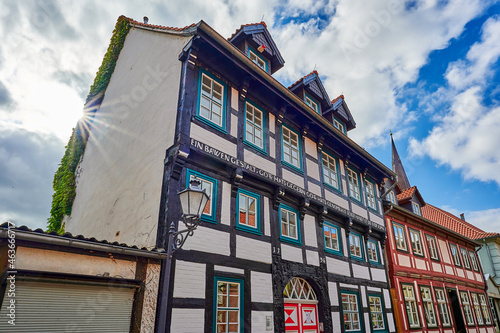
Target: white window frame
{"x":477,"y":309}
{"x":355,"y":243}
{"x":212,"y":100}
{"x":350,"y":309}
{"x":371,"y":196}
{"x":455,"y":254}
{"x":416,"y":208}
{"x":465,"y":257}
{"x":338,"y":125}
{"x":287,"y":223}
{"x":473,"y":259}
{"x":484,"y":308}
{"x":257,"y":60}
{"x":247,"y":210}
{"x":312,"y":104}
{"x":376,"y":312}
{"x":399,"y":237}
{"x":334,"y":243}
{"x":330,"y":172}
{"x":444,"y":312}
{"x":432,"y":247}
{"x":288,"y":145}
{"x":428,"y":305}
{"x":469,"y":317}
{"x":228,"y":308}
{"x":371,"y":246}
{"x":252,"y":127}
{"x":411,"y":305}
{"x":392,"y":197}
{"x":416,"y":242}
{"x":354,"y":188}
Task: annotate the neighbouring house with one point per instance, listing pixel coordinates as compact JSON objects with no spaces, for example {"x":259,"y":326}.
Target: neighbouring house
{"x":66,"y":283}
{"x":437,"y":284}
{"x":293,"y":235}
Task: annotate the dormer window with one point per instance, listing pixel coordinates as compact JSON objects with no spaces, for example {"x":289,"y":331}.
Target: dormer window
{"x":416,"y":208}
{"x":312,"y":103}
{"x":392,"y":197}
{"x":338,"y":125}
{"x":258,"y":60}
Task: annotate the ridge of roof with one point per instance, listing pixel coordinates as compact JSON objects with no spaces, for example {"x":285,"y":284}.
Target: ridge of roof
{"x":454,"y":223}
{"x":247,"y":25}
{"x":407,"y":193}
{"x":153,"y":26}
{"x":336,"y":99}
{"x":302,"y":78}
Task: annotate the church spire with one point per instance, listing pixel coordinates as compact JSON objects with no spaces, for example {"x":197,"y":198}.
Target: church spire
{"x":397,"y":167}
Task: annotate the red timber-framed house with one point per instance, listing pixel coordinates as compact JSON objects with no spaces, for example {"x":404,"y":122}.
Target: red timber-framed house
{"x":436,"y":278}
{"x":293,"y":235}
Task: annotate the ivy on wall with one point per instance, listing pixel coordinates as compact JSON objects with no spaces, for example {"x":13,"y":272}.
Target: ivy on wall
{"x":64,"y":179}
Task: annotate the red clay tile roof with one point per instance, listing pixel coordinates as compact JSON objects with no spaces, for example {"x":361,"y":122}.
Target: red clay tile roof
{"x":161,"y":27}
{"x":247,"y":25}
{"x":336,"y":99}
{"x":407,"y":193}
{"x":302,"y":78}
{"x":454,"y":223}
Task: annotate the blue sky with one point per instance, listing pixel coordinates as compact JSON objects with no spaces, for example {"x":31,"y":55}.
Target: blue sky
{"x":426,"y":70}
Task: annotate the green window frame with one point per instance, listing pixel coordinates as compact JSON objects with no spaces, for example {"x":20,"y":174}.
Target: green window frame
{"x":432,"y":247}
{"x":312,"y":103}
{"x":255,"y":127}
{"x":228,"y":305}
{"x":248,"y":212}
{"x":356,"y":246}
{"x":339,"y":125}
{"x":289,"y":225}
{"x":410,"y":299}
{"x":465,"y":258}
{"x":208,"y":184}
{"x":428,"y":305}
{"x":291,"y":153}
{"x":351,"y":311}
{"x":416,"y":242}
{"x":371,"y":195}
{"x":377,"y":313}
{"x":331,"y":175}
{"x":469,"y":317}
{"x":332,"y":238}
{"x":473,"y":260}
{"x":372,"y":251}
{"x":399,"y":236}
{"x":354,"y":180}
{"x":257,"y":59}
{"x":456,"y":255}
{"x":443,"y":310}
{"x":212,"y":101}
{"x":484,"y":308}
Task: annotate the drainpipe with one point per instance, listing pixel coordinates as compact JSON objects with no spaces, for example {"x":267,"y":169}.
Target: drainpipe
{"x":389,"y":189}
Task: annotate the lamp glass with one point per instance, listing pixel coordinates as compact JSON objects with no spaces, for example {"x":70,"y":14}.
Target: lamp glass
{"x":193,"y":199}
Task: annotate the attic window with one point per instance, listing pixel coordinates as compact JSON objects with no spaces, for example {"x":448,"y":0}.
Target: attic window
{"x":416,"y":208}
{"x":338,"y":125}
{"x":312,"y":104}
{"x":257,"y":59}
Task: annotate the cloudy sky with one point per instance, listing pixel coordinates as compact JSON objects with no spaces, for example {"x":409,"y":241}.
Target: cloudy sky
{"x":428,"y":71}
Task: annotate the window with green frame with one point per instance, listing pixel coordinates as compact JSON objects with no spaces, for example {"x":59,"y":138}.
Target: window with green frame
{"x":356,"y":246}
{"x":289,"y":225}
{"x":377,"y":313}
{"x":311,"y":102}
{"x":331,"y":234}
{"x":353,"y":179}
{"x":248,"y":210}
{"x":350,"y":311}
{"x":330,"y":171}
{"x":228,"y":305}
{"x":258,"y":59}
{"x":291,"y":148}
{"x":208,"y":184}
{"x":372,"y":251}
{"x":339,"y":125}
{"x":255,"y":127}
{"x":211,"y":100}
{"x":371,"y":195}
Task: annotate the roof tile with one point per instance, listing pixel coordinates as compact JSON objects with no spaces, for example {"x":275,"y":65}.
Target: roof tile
{"x":302,"y":78}
{"x":161,"y":27}
{"x":247,"y":25}
{"x":407,"y":193}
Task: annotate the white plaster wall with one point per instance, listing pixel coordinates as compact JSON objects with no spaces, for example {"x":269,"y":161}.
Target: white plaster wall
{"x":310,"y":238}
{"x":344,"y":242}
{"x":316,"y":189}
{"x":363,"y":296}
{"x":213,"y":140}
{"x":121,"y":172}
{"x":347,"y":285}
{"x":360,"y":271}
{"x":208,"y":240}
{"x":272,"y":149}
{"x":387,"y":299}
{"x":312,"y":169}
{"x":189,"y":279}
{"x":234,"y":125}
{"x":404,"y":260}
{"x":234,"y":98}
{"x":150,"y":298}
{"x":367,"y":322}
{"x":248,"y":248}
{"x":449,"y":270}
{"x":376,"y":219}
{"x":262,"y":287}
{"x":420,"y":264}
{"x":445,"y":255}
{"x":293,"y":178}
{"x":378,"y":274}
{"x":272,"y":124}
{"x":64,"y":262}
{"x":338,"y":266}
{"x":310,"y":147}
{"x":336,"y":199}
{"x":188,"y":320}
{"x":225,"y":217}
{"x":332,"y":292}
{"x":336,"y":322}
{"x":259,"y":321}
{"x":291,"y":253}
{"x":229,"y":269}
{"x":259,"y":162}
{"x":312,"y":258}
{"x":267,"y":220}
{"x":390,"y":322}
{"x":437,"y":267}
{"x":361,"y":211}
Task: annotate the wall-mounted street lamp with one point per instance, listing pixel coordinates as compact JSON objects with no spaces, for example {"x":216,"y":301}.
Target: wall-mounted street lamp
{"x":193,"y":201}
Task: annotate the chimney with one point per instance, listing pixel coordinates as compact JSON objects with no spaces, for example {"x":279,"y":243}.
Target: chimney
{"x":146,"y":20}
{"x":462,"y":216}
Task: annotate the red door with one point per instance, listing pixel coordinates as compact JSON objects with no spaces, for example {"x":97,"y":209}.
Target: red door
{"x":301,"y":318}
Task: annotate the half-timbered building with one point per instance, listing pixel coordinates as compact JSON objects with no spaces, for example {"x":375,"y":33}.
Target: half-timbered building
{"x":436,"y":279}
{"x":293,"y":235}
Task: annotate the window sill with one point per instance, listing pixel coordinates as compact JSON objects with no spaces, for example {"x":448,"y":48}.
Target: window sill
{"x":257,"y":148}
{"x":334,"y":189}
{"x":290,"y":240}
{"x":211,"y":124}
{"x":293,"y":167}
{"x":251,"y":230}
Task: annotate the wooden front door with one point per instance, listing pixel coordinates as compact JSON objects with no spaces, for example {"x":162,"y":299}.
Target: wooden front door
{"x":301,"y":318}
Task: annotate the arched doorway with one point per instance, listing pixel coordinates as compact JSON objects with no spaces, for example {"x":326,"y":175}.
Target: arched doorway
{"x":301,"y":307}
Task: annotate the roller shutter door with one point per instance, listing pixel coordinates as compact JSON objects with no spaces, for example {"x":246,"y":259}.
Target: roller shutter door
{"x":68,"y":307}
